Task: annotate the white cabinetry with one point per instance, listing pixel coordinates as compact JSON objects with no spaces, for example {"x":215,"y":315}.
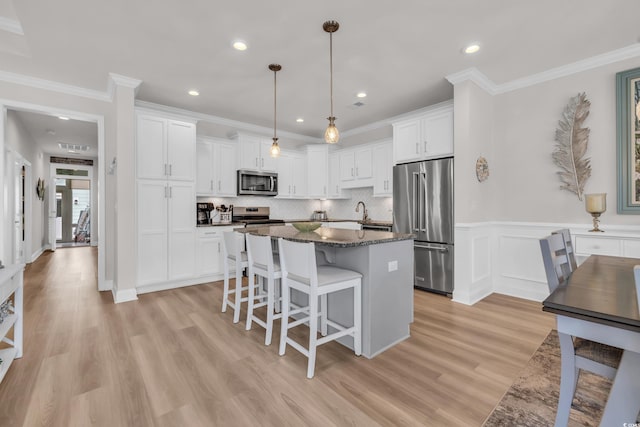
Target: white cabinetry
{"x":317,"y":170}
{"x":166,"y":231}
{"x":11,"y":283}
{"x":356,"y":167}
{"x":255,"y":153}
{"x":424,"y":137}
{"x":292,"y":175}
{"x":216,"y":174}
{"x":165,"y":210}
{"x":333,"y":181}
{"x":165,"y":148}
{"x":209,"y":253}
{"x":383,"y":170}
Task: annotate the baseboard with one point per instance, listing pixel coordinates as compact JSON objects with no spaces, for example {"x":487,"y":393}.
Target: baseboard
{"x":107,"y":286}
{"x":156,"y":287}
{"x":36,"y":254}
{"x":124,"y":295}
{"x":471,"y":299}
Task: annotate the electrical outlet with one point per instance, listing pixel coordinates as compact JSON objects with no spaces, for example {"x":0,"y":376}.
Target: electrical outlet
{"x":393,"y":265}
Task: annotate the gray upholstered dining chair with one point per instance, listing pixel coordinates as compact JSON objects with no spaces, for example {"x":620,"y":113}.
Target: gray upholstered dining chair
{"x":588,"y":355}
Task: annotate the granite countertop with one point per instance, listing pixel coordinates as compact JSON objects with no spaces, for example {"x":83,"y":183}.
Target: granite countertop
{"x":222,"y":224}
{"x":359,"y":221}
{"x":330,"y":236}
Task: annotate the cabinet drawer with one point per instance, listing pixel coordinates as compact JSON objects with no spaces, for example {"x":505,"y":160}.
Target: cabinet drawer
{"x":597,"y":246}
{"x":631,"y":248}
{"x":209,"y":233}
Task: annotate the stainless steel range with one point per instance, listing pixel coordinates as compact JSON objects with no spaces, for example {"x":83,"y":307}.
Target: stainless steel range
{"x":254,"y":216}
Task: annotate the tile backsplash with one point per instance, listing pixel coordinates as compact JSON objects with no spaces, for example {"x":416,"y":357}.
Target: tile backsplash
{"x":379,"y":208}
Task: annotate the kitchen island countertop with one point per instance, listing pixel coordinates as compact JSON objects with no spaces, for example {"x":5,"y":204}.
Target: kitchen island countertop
{"x":329,"y":236}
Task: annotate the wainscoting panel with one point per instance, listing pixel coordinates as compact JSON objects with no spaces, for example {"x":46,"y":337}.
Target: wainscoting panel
{"x":504,"y":257}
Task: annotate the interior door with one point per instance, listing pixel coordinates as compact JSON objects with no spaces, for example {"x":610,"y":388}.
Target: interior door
{"x":18,"y":212}
{"x":52,"y":210}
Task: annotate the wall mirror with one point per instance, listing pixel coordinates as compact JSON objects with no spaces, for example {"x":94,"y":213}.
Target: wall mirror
{"x":628,"y":140}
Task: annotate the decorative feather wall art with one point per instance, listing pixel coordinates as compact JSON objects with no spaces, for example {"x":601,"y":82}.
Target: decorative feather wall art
{"x":572,"y":141}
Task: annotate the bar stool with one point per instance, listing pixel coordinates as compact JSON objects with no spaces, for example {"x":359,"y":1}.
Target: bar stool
{"x":300,"y":272}
{"x":264,"y":264}
{"x":234,"y":256}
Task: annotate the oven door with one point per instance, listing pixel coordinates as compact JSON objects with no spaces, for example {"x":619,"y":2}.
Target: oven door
{"x":257,"y":183}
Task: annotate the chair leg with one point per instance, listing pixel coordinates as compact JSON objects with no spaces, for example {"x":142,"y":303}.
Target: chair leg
{"x":357,"y":319}
{"x":284,"y":322}
{"x":225,"y":293}
{"x":238,"y":297}
{"x":323,"y":315}
{"x":567,"y":379}
{"x":313,"y":334}
{"x":252,"y":290}
{"x":270,"y":308}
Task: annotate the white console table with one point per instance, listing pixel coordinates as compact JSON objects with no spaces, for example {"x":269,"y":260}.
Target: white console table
{"x":11,"y":283}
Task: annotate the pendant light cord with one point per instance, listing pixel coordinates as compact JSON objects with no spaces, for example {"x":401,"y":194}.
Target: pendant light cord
{"x":274,"y":104}
{"x":331,"y":69}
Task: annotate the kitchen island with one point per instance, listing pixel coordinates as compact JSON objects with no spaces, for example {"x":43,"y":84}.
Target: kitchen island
{"x":385,"y":261}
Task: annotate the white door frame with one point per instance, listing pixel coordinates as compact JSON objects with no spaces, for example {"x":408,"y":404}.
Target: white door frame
{"x":92,"y":183}
{"x":76,"y":115}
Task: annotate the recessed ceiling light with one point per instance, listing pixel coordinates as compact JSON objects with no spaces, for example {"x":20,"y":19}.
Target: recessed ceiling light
{"x":63,"y":117}
{"x":193,"y":92}
{"x":299,"y":120}
{"x":361,"y":94}
{"x":472,"y":48}
{"x":239,"y":45}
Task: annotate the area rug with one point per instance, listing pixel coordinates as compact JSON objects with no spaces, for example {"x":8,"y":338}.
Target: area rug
{"x":532,"y":400}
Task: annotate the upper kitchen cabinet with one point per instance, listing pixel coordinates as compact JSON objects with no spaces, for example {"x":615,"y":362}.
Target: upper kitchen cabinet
{"x":333,"y":181}
{"x":165,"y":148}
{"x":317,"y":171}
{"x":292,"y":175}
{"x":255,"y":153}
{"x":383,"y":169}
{"x":356,"y":167}
{"x":216,"y":173}
{"x":427,"y":136}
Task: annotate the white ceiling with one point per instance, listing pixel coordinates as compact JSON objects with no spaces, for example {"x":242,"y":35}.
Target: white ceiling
{"x":399,"y":52}
{"x":48,"y":131}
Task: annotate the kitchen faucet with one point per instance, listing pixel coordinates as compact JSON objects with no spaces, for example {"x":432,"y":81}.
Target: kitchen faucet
{"x":365,"y":214}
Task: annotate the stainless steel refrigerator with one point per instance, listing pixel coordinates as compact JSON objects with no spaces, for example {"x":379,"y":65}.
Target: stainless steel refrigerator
{"x":423,"y":205}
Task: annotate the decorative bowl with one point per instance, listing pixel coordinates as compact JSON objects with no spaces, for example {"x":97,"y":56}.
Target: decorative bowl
{"x":306,"y":226}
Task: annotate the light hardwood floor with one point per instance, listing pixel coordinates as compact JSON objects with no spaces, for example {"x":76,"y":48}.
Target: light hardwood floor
{"x":173,"y":359}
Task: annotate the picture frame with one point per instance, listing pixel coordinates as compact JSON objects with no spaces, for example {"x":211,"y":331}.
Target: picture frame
{"x":628,"y":141}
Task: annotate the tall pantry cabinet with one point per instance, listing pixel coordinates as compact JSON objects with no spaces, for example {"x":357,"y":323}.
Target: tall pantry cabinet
{"x":165,"y":170}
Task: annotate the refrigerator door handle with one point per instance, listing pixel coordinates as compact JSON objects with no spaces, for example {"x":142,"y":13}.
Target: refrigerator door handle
{"x":432,"y":248}
{"x":416,"y":201}
{"x":423,"y":201}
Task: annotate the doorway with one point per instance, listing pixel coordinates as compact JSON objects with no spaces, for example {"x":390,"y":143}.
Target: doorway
{"x":73,"y":212}
{"x":41,"y":132}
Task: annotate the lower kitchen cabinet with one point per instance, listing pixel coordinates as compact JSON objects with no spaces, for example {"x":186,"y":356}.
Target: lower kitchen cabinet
{"x":209,"y":251}
{"x":166,"y":231}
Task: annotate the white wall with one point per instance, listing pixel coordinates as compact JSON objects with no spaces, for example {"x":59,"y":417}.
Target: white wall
{"x":525,"y":124}
{"x":19,"y":140}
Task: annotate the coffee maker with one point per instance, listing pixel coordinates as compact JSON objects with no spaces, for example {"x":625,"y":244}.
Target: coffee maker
{"x":204,"y":213}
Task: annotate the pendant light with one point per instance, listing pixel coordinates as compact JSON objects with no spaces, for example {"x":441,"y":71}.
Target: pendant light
{"x":331,"y":135}
{"x":275,"y":148}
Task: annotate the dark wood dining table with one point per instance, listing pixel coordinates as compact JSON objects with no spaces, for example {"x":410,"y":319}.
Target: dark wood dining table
{"x":599,"y":303}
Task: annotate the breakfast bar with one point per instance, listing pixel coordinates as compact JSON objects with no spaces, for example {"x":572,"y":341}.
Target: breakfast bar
{"x":385,"y":261}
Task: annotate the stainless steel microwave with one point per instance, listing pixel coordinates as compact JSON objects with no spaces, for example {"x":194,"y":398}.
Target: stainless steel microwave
{"x":254,"y":183}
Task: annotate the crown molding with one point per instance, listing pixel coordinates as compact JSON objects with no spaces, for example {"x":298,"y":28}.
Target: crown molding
{"x":389,"y":121}
{"x":37,"y":83}
{"x":628,"y":52}
{"x":124,"y":81}
{"x":11,"y":26}
{"x":476,"y":76}
{"x":238,"y":125}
